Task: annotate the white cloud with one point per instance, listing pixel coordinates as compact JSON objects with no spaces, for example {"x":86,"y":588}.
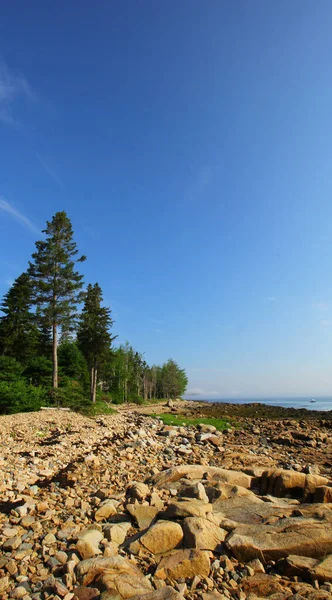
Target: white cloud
{"x":17,"y":215}
{"x":13,"y":86}
{"x":201,"y":392}
{"x":321,"y":305}
{"x":271,"y":299}
{"x":326,"y":323}
{"x":49,"y":170}
{"x":157,"y":330}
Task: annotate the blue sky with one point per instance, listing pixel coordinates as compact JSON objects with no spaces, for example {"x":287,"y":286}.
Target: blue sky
{"x":191,"y":145}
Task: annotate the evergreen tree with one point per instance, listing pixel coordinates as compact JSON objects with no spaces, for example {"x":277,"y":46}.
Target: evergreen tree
{"x":18,"y":330}
{"x":93,"y":334}
{"x":56,"y":285}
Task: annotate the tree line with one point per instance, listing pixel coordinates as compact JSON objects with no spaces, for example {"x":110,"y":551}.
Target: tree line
{"x":50,"y":351}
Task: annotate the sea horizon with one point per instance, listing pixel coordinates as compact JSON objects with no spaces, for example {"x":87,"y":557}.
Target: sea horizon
{"x":321,"y":402}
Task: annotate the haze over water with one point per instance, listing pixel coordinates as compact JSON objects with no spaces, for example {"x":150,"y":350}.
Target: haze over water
{"x":321,"y":403}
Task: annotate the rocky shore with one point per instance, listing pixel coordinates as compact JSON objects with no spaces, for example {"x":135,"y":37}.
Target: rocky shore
{"x":123,"y":507}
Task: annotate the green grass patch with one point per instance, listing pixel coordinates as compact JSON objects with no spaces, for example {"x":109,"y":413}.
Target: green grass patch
{"x":180,"y":420}
{"x":99,"y":408}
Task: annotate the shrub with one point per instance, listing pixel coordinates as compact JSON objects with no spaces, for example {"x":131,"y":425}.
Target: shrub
{"x":20,"y":396}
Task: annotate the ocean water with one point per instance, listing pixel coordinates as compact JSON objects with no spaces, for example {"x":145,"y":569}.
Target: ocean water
{"x":322,"y":403}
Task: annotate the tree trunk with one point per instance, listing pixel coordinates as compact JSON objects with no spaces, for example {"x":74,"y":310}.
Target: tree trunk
{"x":92,"y":379}
{"x":55,"y":356}
{"x":94,"y":391}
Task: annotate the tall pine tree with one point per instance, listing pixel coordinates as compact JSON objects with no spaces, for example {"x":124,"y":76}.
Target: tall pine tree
{"x":93,"y":336}
{"x":57,"y":286}
{"x":18,"y":331}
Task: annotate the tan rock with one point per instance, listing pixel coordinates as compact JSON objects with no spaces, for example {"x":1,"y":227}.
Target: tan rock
{"x":262,"y":586}
{"x":323,"y":493}
{"x":198,"y":472}
{"x":166,"y":593}
{"x":88,"y":543}
{"x":4,"y":584}
{"x":106,"y":509}
{"x":195,"y":490}
{"x":279,"y":483}
{"x":272,"y":542}
{"x":187,"y":508}
{"x":137,"y":490}
{"x":12,"y":543}
{"x":162,"y":537}
{"x":202,"y":534}
{"x":117,"y":532}
{"x":115,"y":573}
{"x":184,"y":564}
{"x":143,"y":515}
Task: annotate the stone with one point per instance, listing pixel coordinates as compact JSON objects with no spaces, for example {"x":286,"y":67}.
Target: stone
{"x":105,"y":510}
{"x":166,"y":593}
{"x":256,"y":566}
{"x":187,"y":508}
{"x":115,"y":573}
{"x":49,"y":539}
{"x":88,"y":543}
{"x":12,"y":544}
{"x":304,"y":537}
{"x":85,"y":593}
{"x":18,"y":592}
{"x":117,"y":532}
{"x":60,"y":588}
{"x":196,"y":490}
{"x":323,"y":493}
{"x":307,"y":568}
{"x":143,"y":515}
{"x":137,"y":490}
{"x":202,"y":534}
{"x":206,"y":428}
{"x":4,"y":584}
{"x":199,"y":472}
{"x":280,"y":482}
{"x":162,"y":537}
{"x":184,"y":564}
{"x":263,"y":586}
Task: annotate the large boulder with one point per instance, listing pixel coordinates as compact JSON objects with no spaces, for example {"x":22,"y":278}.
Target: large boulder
{"x":304,"y":537}
{"x":166,"y":593}
{"x":114,"y":573}
{"x":187,"y":508}
{"x":307,"y":568}
{"x":143,"y":514}
{"x":323,"y":493}
{"x":162,"y":537}
{"x":184,"y":564}
{"x":280,"y":482}
{"x":197,"y":472}
{"x":202,"y":534}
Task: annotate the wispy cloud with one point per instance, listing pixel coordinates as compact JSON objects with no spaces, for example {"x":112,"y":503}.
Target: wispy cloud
{"x":49,"y":170}
{"x":13,"y":87}
{"x":271,"y":299}
{"x":157,"y":330}
{"x":157,"y":321}
{"x":17,"y":215}
{"x":321,"y":305}
{"x":326,"y":323}
{"x":201,"y":392}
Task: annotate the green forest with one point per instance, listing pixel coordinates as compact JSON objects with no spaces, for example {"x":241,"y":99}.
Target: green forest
{"x":57,"y":339}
